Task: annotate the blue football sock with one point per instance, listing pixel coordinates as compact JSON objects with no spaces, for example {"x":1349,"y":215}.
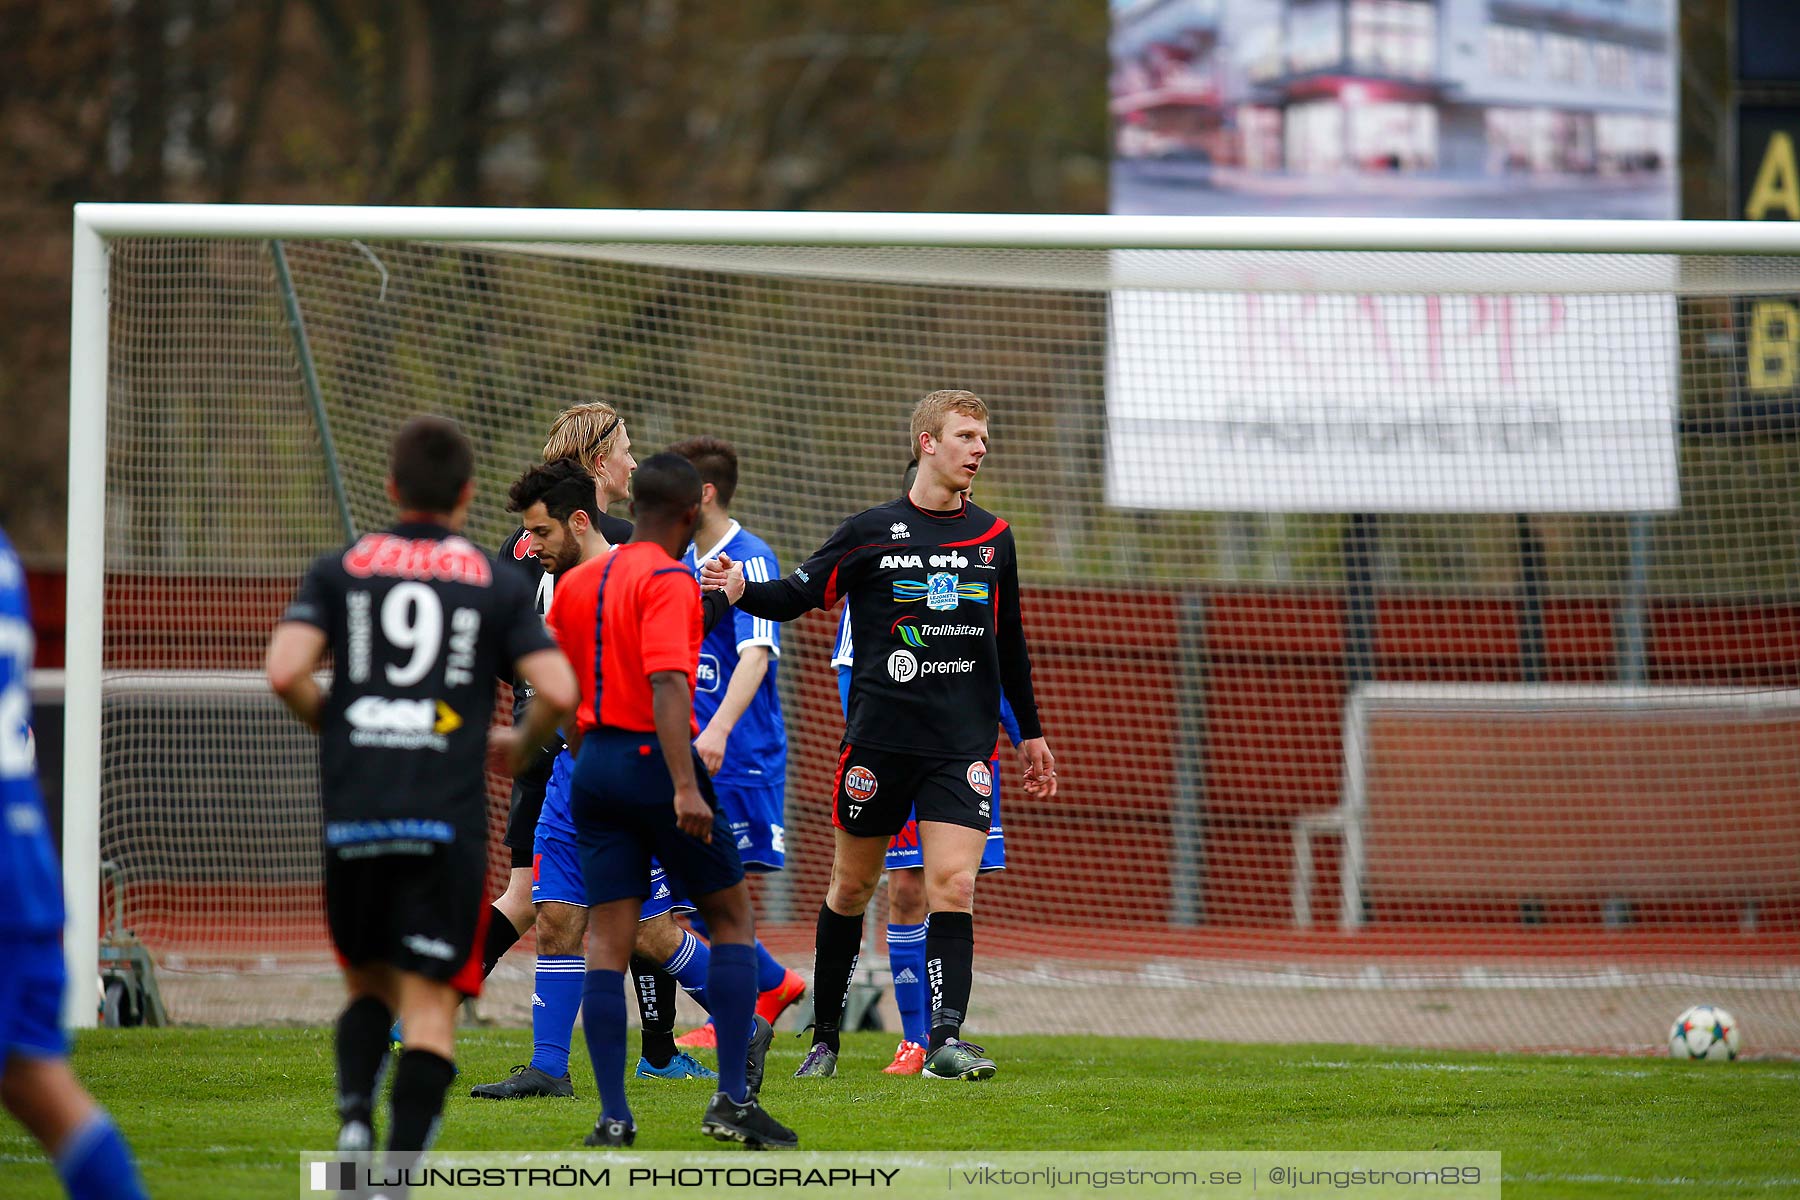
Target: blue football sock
{"x":96,"y":1164}
{"x":554,"y":1003}
{"x":769,"y":973}
{"x":906,"y":958}
{"x":603,"y":1019}
{"x":732,"y":985}
{"x":689,"y":967}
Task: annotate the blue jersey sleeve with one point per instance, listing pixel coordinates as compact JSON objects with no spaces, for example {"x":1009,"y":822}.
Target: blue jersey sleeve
{"x":844,"y":687}
{"x":1008,"y":721}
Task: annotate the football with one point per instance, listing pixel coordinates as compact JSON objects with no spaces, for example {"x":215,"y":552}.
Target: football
{"x":1704,"y":1031}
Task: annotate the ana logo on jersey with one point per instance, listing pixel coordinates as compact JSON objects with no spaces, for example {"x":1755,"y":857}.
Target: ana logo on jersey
{"x":902,"y":666}
{"x":890,"y":562}
{"x":860,"y":784}
{"x":981,"y":779}
{"x":899,"y":531}
{"x":706,"y":676}
{"x":941,"y":591}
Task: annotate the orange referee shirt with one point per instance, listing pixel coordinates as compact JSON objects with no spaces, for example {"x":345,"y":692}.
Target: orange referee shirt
{"x":650,"y":622}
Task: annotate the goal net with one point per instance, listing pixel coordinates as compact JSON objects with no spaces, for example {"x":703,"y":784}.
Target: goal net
{"x":1259,"y":471}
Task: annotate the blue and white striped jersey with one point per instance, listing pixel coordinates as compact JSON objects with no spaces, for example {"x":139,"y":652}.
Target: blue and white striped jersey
{"x":756,"y":754}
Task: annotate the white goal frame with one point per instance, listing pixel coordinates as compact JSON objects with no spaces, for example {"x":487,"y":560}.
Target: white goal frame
{"x":97,"y":224}
{"x":1367,"y":699}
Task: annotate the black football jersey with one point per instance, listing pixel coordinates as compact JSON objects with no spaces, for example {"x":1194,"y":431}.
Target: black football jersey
{"x":421,"y":624}
{"x":934,"y":615}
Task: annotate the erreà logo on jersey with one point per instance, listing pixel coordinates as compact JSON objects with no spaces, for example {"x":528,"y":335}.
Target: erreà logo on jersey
{"x":891,"y":562}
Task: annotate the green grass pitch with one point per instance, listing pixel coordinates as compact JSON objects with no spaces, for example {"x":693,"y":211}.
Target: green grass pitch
{"x":223,"y":1112}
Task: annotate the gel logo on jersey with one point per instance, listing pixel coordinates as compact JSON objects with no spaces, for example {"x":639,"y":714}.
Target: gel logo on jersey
{"x":981,"y":780}
{"x":860,"y":784}
{"x":902,"y":666}
{"x":450,"y":560}
{"x":941,"y":591}
{"x":400,"y":724}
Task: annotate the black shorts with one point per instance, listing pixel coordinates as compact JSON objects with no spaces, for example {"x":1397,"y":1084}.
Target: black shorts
{"x":522,"y":816}
{"x":877,"y":791}
{"x":423,"y":911}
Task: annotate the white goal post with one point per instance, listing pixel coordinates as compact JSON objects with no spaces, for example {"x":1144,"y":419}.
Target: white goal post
{"x":1126,"y":522}
{"x":1524,"y":706}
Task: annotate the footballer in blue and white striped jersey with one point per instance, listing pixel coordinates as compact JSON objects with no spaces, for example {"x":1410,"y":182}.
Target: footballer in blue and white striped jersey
{"x":752,"y":779}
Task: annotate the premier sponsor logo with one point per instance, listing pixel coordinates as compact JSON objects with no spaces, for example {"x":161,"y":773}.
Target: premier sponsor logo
{"x":954,"y":666}
{"x":902,"y":666}
{"x":860,"y":784}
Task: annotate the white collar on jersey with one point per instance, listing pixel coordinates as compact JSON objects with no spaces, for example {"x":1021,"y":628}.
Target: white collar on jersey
{"x":731,"y":531}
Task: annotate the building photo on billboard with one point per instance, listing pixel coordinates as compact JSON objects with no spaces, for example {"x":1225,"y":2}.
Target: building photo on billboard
{"x":1451,"y":108}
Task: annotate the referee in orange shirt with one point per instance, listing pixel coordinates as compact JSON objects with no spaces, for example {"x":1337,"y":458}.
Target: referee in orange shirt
{"x":630,"y":623}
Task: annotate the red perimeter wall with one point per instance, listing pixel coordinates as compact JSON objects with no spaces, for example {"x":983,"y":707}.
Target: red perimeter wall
{"x":1264,"y":674}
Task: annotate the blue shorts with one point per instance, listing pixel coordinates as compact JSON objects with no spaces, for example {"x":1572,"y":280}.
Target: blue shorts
{"x":31,"y":993}
{"x":903,"y":851}
{"x":556,"y":859}
{"x":624,"y":810}
{"x":754,"y":813}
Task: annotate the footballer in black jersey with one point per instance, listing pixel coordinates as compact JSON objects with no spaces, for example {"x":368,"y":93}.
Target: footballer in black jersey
{"x":935,"y":617}
{"x":517,"y":555}
{"x":419,"y":624}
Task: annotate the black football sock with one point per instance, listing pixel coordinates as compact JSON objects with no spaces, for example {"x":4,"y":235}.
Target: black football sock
{"x":656,"y":990}
{"x":950,"y":971}
{"x":420,"y":1082}
{"x":500,"y":938}
{"x":834,"y":962}
{"x":362,"y":1043}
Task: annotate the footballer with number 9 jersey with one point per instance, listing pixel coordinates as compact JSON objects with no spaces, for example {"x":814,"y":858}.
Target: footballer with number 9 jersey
{"x":933,"y":586}
{"x":419,"y":624}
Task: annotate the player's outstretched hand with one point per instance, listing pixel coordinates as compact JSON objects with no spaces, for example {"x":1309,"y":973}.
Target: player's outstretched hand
{"x":692,"y":815}
{"x":1040,"y":768}
{"x":721,"y":574}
